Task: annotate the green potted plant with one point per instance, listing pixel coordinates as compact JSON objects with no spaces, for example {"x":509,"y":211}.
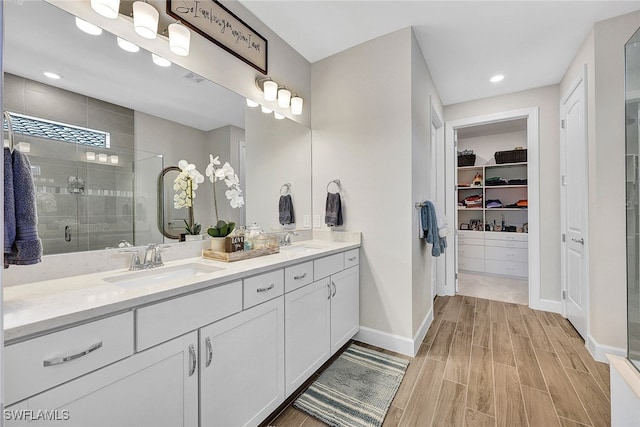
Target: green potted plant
{"x":193,"y":231}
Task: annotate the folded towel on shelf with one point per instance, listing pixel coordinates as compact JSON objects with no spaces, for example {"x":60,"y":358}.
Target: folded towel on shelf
{"x":9,"y":206}
{"x":333,"y":210}
{"x":285,"y":210}
{"x":27,"y":247}
{"x":429,"y":223}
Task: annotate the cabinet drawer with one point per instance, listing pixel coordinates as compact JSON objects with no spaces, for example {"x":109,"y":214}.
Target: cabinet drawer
{"x":523,"y":237}
{"x":471,"y":251}
{"x":523,"y":244}
{"x":471,"y":264}
{"x":298,"y":276}
{"x":261,"y":288}
{"x":160,"y":322}
{"x":466,"y":239}
{"x":351,"y":258}
{"x":327,"y":266}
{"x":41,"y":363}
{"x":506,"y":254}
{"x":518,"y":269}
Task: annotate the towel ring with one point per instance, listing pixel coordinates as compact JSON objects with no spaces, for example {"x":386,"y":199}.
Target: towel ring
{"x":336,"y":182}
{"x":287,"y":189}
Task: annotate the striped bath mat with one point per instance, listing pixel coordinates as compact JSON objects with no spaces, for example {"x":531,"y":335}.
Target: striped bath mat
{"x":355,"y":390}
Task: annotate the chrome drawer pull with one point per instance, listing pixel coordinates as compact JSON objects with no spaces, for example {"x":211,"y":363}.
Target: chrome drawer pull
{"x":334,"y":290}
{"x":209,"y":352}
{"x":329,"y":288}
{"x":300,"y":277}
{"x":273,"y":285}
{"x":352,"y":259}
{"x":581,"y":241}
{"x":64,"y":359}
{"x":192,"y":359}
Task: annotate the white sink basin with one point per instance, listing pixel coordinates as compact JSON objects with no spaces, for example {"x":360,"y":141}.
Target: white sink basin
{"x":297,"y":248}
{"x":160,"y":275}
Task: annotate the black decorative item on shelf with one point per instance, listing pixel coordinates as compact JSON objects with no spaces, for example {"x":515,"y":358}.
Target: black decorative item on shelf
{"x":466,"y":160}
{"x":511,"y":156}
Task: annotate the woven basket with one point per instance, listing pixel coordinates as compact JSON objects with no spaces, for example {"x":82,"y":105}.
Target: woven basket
{"x":511,"y":156}
{"x":466,"y":160}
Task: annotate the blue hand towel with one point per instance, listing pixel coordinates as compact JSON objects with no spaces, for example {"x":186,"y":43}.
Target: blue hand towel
{"x":285,"y":207}
{"x":333,"y":210}
{"x":429,"y":222}
{"x":27,"y":247}
{"x":9,"y":204}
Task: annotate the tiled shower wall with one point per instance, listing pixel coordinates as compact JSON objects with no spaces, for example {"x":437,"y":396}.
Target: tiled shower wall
{"x":103,"y":214}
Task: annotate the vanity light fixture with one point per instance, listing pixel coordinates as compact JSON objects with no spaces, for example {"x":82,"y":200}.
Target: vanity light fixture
{"x":179,"y":39}
{"x":114,"y":159}
{"x":251,"y":103}
{"x":145,"y":19}
{"x":266,"y":110}
{"x":278,"y":116}
{"x":497,"y":78}
{"x":90,"y":155}
{"x":296,"y":105}
{"x":127,"y":45}
{"x":284,"y":97}
{"x":52,"y":75}
{"x":268,"y":87}
{"x":107,"y":8}
{"x":88,"y":27}
{"x":102,"y":158}
{"x":160,"y":61}
{"x":23,"y":147}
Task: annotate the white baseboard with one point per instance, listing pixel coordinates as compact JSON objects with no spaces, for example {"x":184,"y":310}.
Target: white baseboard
{"x":600,"y":351}
{"x":546,"y":305}
{"x":397,"y":343}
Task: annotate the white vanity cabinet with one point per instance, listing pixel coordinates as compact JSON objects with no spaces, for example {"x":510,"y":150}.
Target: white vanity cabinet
{"x":242,"y":366}
{"x":157,"y":387}
{"x":321,"y":317}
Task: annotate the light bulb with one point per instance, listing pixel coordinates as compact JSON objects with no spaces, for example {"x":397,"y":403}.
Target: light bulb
{"x":107,"y":8}
{"x":270,"y":90}
{"x":88,"y":27}
{"x":145,"y":19}
{"x":284,"y":98}
{"x":179,"y":39}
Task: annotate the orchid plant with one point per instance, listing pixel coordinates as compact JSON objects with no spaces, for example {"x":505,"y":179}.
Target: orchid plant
{"x":186,"y":184}
{"x":234,"y":193}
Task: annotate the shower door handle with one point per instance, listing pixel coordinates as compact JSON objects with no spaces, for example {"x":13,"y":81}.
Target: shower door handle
{"x":67,"y":233}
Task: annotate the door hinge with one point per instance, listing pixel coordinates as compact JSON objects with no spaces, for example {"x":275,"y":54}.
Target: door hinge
{"x":564,"y":294}
{"x":564,"y":237}
{"x":563,"y":180}
{"x":562,"y":124}
{"x":456,"y":276}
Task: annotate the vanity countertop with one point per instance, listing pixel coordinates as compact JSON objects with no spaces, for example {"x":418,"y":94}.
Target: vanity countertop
{"x":34,"y":308}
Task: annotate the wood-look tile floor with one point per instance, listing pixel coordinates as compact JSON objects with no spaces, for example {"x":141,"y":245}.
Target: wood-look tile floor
{"x":490,"y":363}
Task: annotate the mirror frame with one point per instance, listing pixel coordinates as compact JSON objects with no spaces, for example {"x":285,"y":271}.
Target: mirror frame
{"x":161,"y":200}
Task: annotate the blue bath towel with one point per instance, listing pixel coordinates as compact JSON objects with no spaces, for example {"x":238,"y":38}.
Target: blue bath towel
{"x":27,"y":247}
{"x":9,"y":206}
{"x":429,"y":223}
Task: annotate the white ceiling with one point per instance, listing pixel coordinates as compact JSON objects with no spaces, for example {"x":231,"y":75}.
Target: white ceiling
{"x":464,"y":42}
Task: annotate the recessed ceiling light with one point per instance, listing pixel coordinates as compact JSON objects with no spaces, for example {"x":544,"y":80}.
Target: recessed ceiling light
{"x":160,"y":61}
{"x":52,"y":75}
{"x":497,"y":78}
{"x":88,"y":27}
{"x":127,"y":45}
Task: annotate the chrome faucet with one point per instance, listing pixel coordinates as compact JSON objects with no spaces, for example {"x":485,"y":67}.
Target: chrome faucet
{"x":286,"y":240}
{"x":152,"y":256}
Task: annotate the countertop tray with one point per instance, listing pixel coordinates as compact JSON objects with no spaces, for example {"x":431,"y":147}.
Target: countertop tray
{"x":238,"y":256}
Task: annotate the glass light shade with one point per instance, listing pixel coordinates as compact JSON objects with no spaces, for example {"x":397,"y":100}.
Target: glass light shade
{"x":278,"y":116}
{"x":91,"y":155}
{"x":102,"y":157}
{"x":24,"y":147}
{"x":114,"y":159}
{"x":266,"y":110}
{"x":251,"y":103}
{"x":160,"y":61}
{"x":284,"y":98}
{"x":88,"y":27}
{"x":179,"y":39}
{"x":127,"y":45}
{"x":106,"y":8}
{"x":296,"y":105}
{"x":270,"y":90}
{"x":145,"y":19}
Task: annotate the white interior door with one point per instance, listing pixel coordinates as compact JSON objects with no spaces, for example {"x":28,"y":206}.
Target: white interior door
{"x":574,"y":193}
{"x":438,"y":179}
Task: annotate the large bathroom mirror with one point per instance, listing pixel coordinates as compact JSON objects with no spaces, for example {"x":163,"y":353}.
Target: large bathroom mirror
{"x":632,"y":89}
{"x":155,"y":116}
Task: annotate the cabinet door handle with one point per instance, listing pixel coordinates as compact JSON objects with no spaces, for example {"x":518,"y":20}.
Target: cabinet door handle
{"x":300,"y":277}
{"x":207,"y":342}
{"x":334,"y":290}
{"x":329,"y":288}
{"x":192,"y":359}
{"x":581,"y":241}
{"x":352,"y":259}
{"x":268,"y":288}
{"x":64,"y":359}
